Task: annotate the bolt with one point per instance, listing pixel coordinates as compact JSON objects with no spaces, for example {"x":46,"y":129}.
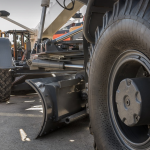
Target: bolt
{"x":128,"y":102}
{"x":46,"y":95}
{"x":145,"y":74}
{"x":136,"y":118}
{"x":41,"y":85}
{"x":128,"y":82}
{"x":123,"y":120}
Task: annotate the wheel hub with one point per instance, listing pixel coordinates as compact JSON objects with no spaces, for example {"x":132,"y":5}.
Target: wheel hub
{"x":127,"y":102}
{"x":133,"y":103}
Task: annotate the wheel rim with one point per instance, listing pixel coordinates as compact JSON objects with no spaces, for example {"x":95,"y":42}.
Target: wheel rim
{"x":128,"y":65}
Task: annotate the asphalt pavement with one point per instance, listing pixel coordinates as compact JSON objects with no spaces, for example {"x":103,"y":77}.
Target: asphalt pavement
{"x":20,"y":122}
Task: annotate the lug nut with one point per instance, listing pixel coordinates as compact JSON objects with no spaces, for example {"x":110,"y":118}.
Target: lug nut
{"x":145,"y":74}
{"x":128,"y":82}
{"x":128,"y":102}
{"x":136,"y":118}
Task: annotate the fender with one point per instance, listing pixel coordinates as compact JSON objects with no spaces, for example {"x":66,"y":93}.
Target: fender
{"x":94,"y":17}
{"x":5,"y":54}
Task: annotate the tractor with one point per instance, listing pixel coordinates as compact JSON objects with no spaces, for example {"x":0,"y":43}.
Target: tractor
{"x":105,"y":74}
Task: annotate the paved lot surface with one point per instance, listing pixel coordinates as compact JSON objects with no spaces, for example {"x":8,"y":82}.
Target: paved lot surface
{"x":20,"y":121}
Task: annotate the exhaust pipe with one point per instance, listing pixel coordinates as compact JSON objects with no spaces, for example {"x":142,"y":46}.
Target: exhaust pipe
{"x":75,"y":117}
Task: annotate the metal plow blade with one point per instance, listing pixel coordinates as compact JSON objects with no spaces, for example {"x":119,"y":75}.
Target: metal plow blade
{"x":61,"y":100}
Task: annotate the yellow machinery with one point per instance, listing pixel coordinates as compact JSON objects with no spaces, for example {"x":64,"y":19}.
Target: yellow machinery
{"x":2,"y":34}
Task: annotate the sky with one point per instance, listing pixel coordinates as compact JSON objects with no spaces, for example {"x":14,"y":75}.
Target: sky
{"x":26,"y":12}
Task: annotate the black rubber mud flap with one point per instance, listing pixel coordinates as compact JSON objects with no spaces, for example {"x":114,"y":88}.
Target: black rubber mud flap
{"x":50,"y":90}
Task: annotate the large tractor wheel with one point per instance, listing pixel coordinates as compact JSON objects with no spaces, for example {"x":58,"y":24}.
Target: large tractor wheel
{"x":5,"y":85}
{"x":119,"y":78}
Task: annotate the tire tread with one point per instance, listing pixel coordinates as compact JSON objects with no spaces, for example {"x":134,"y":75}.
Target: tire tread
{"x":5,"y":85}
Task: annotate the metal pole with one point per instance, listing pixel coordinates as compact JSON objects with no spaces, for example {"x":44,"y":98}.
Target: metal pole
{"x":42,"y":24}
{"x":45,"y":73}
{"x":75,"y":117}
{"x":22,"y":43}
{"x":22,"y":39}
{"x":18,"y":24}
{"x":44,"y":4}
{"x":74,"y":66}
{"x":15,"y":45}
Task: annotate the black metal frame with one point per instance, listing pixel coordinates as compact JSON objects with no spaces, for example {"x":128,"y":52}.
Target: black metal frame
{"x":61,"y":97}
{"x":94,"y":17}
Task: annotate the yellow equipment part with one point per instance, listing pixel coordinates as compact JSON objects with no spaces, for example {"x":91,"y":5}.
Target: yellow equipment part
{"x":25,"y":46}
{"x":75,"y":27}
{"x":2,"y":33}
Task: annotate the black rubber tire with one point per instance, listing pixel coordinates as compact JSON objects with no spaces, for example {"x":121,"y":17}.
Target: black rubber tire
{"x":5,"y":85}
{"x":126,"y":28}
